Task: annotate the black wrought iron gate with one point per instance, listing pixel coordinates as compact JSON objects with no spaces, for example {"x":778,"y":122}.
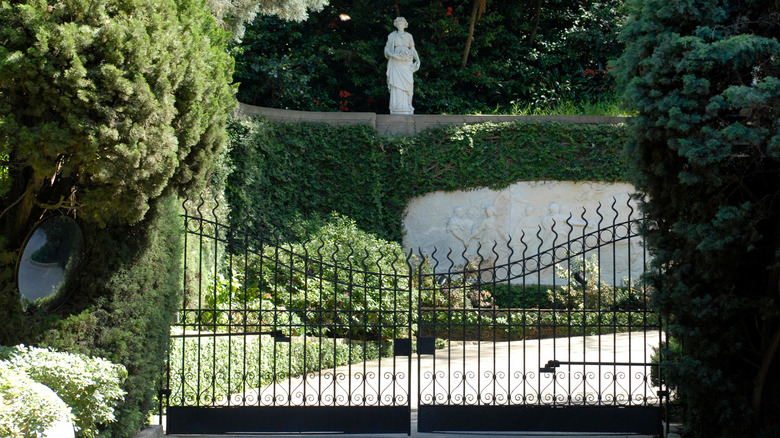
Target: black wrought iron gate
{"x":550,"y":332}
{"x":553,"y":333}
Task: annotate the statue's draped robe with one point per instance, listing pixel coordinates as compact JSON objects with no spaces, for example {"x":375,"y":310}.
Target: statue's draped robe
{"x":399,"y":72}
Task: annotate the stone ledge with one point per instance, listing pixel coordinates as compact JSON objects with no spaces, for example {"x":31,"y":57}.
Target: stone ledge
{"x":409,"y":124}
{"x":282,"y":115}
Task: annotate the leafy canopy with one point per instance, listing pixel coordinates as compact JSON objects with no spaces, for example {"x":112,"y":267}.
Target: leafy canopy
{"x":234,"y":14}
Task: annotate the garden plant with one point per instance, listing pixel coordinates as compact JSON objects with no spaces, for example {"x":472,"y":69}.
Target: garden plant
{"x":705,"y":81}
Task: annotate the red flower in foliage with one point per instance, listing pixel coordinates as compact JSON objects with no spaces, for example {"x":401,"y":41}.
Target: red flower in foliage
{"x":479,"y":73}
{"x":449,"y":11}
{"x":344,"y":94}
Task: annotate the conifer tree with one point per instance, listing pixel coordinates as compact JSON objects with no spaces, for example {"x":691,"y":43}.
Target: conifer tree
{"x":704,"y":78}
{"x":105,"y":105}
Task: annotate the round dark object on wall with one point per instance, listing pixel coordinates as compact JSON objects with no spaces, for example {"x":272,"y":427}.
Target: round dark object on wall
{"x":48,"y":261}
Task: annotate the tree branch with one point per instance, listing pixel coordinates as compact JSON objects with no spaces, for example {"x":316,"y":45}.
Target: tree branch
{"x":537,"y":18}
{"x":24,"y":195}
{"x":54,"y":206}
{"x":479,"y":8}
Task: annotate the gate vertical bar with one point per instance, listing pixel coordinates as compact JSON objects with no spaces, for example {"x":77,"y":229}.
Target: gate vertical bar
{"x":410,"y":325}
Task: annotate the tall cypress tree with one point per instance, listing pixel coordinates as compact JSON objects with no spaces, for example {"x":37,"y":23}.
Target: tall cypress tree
{"x":705,"y":150}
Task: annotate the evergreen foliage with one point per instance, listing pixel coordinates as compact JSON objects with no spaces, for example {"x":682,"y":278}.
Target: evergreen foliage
{"x":334,"y":60}
{"x":121,"y":308}
{"x":283,"y":170}
{"x":704,"y":78}
{"x":106,"y":104}
{"x":123,"y":305}
{"x":107,"y":109}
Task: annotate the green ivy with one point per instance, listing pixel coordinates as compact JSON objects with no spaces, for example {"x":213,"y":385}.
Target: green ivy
{"x":284,"y":170}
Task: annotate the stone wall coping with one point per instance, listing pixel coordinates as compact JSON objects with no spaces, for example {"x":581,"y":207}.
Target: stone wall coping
{"x":409,"y":124}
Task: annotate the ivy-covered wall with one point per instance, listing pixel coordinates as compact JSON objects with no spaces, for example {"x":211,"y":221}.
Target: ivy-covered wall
{"x":284,"y":170}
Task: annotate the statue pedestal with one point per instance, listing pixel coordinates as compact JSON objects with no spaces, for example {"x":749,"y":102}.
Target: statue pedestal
{"x":401,"y":112}
{"x":396,"y":124}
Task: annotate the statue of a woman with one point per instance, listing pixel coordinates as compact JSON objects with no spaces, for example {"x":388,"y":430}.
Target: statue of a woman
{"x":402,"y":61}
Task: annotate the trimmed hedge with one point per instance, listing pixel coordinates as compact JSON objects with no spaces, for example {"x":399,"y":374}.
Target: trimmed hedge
{"x":283,"y":170}
{"x":243,"y":364}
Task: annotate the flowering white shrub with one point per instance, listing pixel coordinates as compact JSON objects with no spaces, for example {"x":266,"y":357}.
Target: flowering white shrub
{"x":90,"y":386}
{"x":24,"y":410}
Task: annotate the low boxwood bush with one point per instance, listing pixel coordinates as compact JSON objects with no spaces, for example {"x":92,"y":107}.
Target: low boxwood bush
{"x":90,"y":386}
{"x":499,"y":324}
{"x":24,"y":411}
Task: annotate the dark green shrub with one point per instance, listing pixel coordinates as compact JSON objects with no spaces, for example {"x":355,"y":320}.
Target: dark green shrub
{"x":517,"y":296}
{"x":310,"y":65}
{"x":339,"y":282}
{"x":123,"y":302}
{"x":704,"y":153}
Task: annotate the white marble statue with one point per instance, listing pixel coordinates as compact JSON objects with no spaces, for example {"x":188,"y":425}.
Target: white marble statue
{"x":402,"y":62}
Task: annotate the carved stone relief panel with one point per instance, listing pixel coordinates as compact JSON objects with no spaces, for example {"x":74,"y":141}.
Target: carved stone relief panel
{"x":477,"y":225}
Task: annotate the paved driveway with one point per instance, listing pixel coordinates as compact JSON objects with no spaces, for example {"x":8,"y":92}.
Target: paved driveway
{"x":485,"y":373}
{"x":482,"y":373}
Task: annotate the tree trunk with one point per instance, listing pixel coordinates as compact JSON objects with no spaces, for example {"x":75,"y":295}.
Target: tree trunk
{"x":397,"y":9}
{"x":479,"y":6}
{"x":535,"y":27}
{"x":759,"y":389}
{"x":18,"y":215}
